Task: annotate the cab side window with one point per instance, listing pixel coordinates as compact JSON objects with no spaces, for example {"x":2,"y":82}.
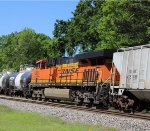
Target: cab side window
{"x":42,"y":65}
{"x":38,"y":65}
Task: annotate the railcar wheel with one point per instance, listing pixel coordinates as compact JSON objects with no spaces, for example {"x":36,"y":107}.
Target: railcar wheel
{"x":81,"y":103}
{"x":52,"y":100}
{"x":44,"y":99}
{"x":58,"y":100}
{"x":12,"y":94}
{"x":90,"y":104}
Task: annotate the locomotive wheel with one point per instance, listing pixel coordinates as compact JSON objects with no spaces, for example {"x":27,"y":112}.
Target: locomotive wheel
{"x":52,"y":100}
{"x":11,"y":94}
{"x":39,"y":99}
{"x":81,"y":103}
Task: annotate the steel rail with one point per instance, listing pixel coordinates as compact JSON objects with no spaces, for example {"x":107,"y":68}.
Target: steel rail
{"x":137,"y":115}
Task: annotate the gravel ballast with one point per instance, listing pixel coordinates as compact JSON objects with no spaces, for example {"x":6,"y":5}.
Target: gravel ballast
{"x":121,"y":123}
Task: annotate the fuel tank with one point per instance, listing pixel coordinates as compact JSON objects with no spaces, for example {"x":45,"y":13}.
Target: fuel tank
{"x":59,"y":94}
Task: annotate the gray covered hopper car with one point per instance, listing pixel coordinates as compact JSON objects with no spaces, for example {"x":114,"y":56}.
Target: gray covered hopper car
{"x":133,"y":65}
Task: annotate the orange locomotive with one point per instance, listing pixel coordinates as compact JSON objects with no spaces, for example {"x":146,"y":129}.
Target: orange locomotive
{"x":84,"y":78}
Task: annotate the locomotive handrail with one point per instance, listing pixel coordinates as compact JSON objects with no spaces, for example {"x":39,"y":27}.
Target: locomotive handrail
{"x":97,"y":90}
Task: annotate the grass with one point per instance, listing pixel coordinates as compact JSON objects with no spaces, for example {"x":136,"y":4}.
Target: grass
{"x":11,"y":120}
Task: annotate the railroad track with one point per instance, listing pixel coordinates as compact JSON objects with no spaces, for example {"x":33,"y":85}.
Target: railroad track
{"x":144,"y":116}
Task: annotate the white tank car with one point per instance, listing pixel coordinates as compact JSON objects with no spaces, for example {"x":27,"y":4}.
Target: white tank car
{"x":23,"y":70}
{"x":133,"y":65}
{"x":17,"y":80}
{"x":2,"y":77}
{"x":1,"y":80}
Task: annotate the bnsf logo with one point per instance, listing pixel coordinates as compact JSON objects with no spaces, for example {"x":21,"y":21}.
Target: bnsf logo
{"x":69,"y":71}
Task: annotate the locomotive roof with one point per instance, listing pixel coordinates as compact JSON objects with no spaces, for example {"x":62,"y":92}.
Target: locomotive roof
{"x":85,"y":55}
{"x":93,"y":54}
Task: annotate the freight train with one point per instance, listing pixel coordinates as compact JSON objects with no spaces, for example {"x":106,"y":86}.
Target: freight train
{"x":118,"y":78}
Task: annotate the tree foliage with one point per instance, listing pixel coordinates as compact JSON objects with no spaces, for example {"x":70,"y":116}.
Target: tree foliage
{"x":23,"y":47}
{"x":81,"y":29}
{"x":106,"y":24}
{"x":124,"y":23}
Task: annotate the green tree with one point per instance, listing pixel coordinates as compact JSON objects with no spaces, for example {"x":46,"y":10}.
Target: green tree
{"x":86,"y":18}
{"x":124,"y":23}
{"x":23,"y":47}
{"x":60,"y":32}
{"x":81,"y":29}
{"x":104,"y":25}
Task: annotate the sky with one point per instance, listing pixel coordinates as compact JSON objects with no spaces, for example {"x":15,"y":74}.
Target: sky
{"x":38,"y":15}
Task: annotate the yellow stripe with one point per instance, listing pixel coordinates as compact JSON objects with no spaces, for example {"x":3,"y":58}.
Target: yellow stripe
{"x":72,"y":81}
{"x":64,"y":81}
{"x":68,"y":65}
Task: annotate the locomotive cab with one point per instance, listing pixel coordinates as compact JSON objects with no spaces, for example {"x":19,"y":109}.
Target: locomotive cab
{"x":41,"y":64}
{"x":46,"y":63}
